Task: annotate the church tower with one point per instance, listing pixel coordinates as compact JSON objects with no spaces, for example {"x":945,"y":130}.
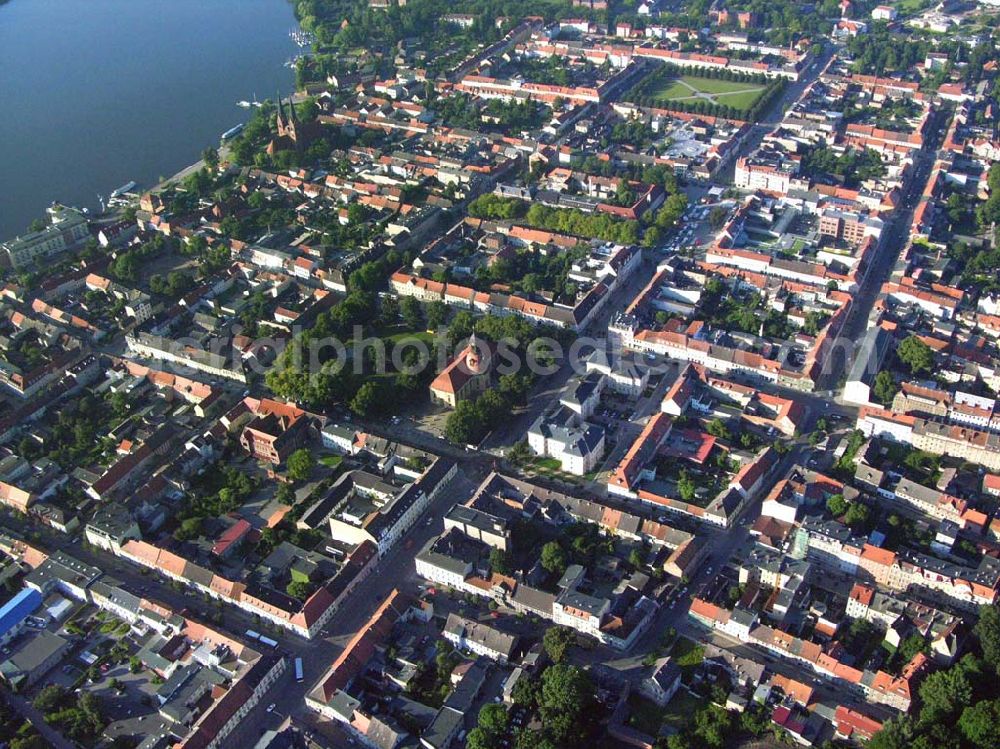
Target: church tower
{"x":474,"y":360}
{"x":286,"y":121}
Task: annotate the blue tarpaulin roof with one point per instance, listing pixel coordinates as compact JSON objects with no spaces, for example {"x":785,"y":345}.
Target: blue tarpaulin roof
{"x":19,"y":608}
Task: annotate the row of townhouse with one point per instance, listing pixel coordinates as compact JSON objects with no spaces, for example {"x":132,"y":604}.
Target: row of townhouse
{"x":929,"y":502}
{"x":626,"y":333}
{"x":160,"y":348}
{"x":17,"y":417}
{"x":937,"y":301}
{"x":137,"y":304}
{"x":962,"y":442}
{"x":919,"y":500}
{"x":621,"y":53}
{"x":815,"y":274}
{"x":496,"y":88}
{"x":479,"y":638}
{"x":397,"y":513}
{"x":254,"y":676}
{"x":306,"y":622}
{"x":618,"y":56}
{"x":685,"y":551}
{"x":941,"y":628}
{"x":621,"y":265}
{"x":959,"y":407}
{"x":832,"y":544}
{"x":877,"y":687}
{"x":342,"y":695}
{"x":78,"y":325}
{"x":370,"y":541}
{"x":214,"y":728}
{"x":27,"y":383}
{"x":616,"y":620}
{"x":696,"y":61}
{"x":454,"y":559}
{"x":696,"y":391}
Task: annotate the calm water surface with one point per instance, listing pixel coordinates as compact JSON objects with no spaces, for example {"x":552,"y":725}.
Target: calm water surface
{"x":94,"y":93}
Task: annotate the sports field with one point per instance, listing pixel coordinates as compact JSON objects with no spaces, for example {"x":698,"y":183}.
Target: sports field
{"x":714,"y":90}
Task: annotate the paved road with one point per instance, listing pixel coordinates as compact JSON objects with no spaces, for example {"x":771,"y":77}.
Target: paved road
{"x":775,"y":112}
{"x":546,"y":391}
{"x":896,"y":232}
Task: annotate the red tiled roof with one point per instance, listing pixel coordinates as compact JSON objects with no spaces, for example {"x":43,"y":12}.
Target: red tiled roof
{"x":233,"y":534}
{"x":850,"y":722}
{"x":354,"y":658}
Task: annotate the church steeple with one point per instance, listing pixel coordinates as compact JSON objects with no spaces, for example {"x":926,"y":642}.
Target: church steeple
{"x":473,"y":359}
{"x":286,"y":121}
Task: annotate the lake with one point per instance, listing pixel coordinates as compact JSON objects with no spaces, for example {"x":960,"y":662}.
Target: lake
{"x":99,"y":92}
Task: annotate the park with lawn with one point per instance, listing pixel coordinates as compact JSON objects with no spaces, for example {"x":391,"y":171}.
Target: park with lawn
{"x":691,"y":87}
{"x":712,"y":92}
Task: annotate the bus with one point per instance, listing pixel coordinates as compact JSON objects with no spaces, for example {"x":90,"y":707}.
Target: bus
{"x":298,"y":670}
{"x":252,"y":635}
{"x":268,"y":641}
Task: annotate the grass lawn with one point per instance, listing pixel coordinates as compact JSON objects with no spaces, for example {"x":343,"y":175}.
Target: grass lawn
{"x":680,"y":711}
{"x":548,"y":464}
{"x":912,"y":7}
{"x":552,"y":468}
{"x":742,"y":100}
{"x":411,"y":335}
{"x":717,"y":86}
{"x":687,"y":653}
{"x":671,"y":90}
{"x":731,"y":93}
{"x":738,"y":94}
{"x":331,"y":461}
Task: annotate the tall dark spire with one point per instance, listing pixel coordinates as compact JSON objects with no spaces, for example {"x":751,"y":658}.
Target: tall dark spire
{"x":281,"y":107}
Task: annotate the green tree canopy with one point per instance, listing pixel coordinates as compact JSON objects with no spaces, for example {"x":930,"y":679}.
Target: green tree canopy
{"x":837,"y":505}
{"x":857,"y":514}
{"x":493,"y":720}
{"x":943,"y":695}
{"x":368,"y":400}
{"x":557,"y":641}
{"x":500,"y":561}
{"x":553,"y":558}
{"x":300,"y":464}
{"x":916,"y":355}
{"x":987,"y":630}
{"x":980,"y":724}
{"x":566,"y":696}
{"x":884,"y":388}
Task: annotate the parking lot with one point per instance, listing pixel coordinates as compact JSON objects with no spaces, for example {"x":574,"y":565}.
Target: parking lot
{"x":695,"y":229}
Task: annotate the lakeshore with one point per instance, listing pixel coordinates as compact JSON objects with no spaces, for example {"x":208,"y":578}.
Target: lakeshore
{"x":123,"y":100}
